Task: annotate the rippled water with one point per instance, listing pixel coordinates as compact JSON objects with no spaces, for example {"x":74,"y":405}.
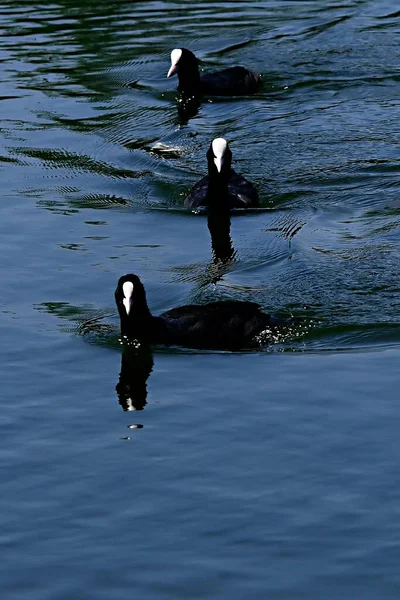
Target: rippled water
{"x":264,"y":473}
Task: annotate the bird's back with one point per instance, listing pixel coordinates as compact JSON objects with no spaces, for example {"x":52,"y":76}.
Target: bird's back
{"x":230,"y":82}
{"x":241,"y":193}
{"x":198,"y":194}
{"x":224,"y":325}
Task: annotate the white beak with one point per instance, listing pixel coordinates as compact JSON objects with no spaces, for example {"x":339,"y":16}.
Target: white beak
{"x":219,"y":146}
{"x":175,"y":57}
{"x":172,"y":70}
{"x":218,"y":163}
{"x":127,"y":289}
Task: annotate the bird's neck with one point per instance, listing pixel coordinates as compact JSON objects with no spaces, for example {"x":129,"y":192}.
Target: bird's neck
{"x":138,"y":322}
{"x":189,"y":82}
{"x":218,"y":188}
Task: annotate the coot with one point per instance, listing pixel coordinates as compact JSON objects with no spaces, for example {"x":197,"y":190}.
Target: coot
{"x":222,"y":188}
{"x":228,"y":325}
{"x":235,"y":81}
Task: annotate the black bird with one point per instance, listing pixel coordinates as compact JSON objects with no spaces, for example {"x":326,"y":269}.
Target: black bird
{"x":228,"y":325}
{"x":222,"y":187}
{"x":235,"y":81}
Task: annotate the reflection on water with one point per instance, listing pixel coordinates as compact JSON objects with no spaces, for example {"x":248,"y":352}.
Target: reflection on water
{"x":244,"y":458}
{"x":187,"y":108}
{"x":86,"y":130}
{"x":136,"y":366}
{"x":219,"y":226}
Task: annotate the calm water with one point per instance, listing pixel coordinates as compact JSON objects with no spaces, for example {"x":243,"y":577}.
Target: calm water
{"x":264,"y":474}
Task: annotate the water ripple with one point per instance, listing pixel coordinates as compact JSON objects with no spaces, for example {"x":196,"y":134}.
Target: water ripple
{"x":96,"y":128}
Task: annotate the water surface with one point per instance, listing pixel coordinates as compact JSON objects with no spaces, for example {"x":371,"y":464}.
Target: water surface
{"x":264,"y":473}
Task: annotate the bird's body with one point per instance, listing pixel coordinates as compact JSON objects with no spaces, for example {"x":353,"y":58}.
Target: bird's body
{"x":225,"y":324}
{"x":234,"y":81}
{"x":223,"y":188}
{"x":239,"y":192}
{"x":228,"y":325}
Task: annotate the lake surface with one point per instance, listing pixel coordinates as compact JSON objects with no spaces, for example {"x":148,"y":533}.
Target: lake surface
{"x":271,"y":473}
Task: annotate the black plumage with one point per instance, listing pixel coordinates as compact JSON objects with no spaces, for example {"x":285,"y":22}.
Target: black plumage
{"x":222,"y":187}
{"x":228,"y":325}
{"x":234,"y":81}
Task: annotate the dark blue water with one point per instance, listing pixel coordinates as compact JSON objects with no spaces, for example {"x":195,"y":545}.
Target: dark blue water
{"x":271,"y":473}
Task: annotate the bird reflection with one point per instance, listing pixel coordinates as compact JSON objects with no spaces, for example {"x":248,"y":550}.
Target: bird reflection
{"x":219,"y":226}
{"x":188,"y":107}
{"x":136,"y":366}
